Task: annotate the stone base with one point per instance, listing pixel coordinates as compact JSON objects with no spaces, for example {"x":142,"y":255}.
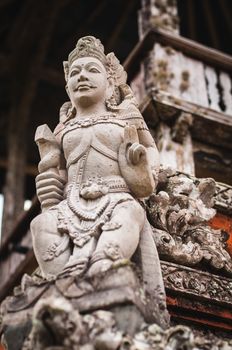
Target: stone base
{"x":107,"y":312}
{"x":41,"y":312}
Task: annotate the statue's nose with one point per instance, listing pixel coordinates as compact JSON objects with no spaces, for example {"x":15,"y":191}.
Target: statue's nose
{"x":82,"y":77}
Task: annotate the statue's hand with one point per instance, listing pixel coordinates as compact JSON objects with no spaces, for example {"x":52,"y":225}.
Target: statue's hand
{"x":50,"y":188}
{"x":134,"y":164}
{"x":135,"y":151}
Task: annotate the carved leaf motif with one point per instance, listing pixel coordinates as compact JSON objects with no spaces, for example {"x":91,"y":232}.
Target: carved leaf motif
{"x":179,"y":213}
{"x":116,"y":69}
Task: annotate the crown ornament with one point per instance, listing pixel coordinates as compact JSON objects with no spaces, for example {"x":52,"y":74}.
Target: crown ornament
{"x":89,"y":46}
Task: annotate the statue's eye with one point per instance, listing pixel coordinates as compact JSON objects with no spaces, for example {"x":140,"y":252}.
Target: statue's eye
{"x":74,"y":72}
{"x":93,"y":70}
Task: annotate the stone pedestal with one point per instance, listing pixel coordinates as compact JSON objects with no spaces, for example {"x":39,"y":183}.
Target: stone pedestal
{"x":45,"y":313}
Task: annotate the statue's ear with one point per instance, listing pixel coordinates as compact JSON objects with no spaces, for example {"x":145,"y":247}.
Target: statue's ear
{"x":110,"y":88}
{"x":66,"y":88}
{"x":66,"y":70}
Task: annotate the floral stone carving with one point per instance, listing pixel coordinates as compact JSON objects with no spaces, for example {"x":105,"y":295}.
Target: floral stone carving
{"x":196,"y":283}
{"x":179,"y":213}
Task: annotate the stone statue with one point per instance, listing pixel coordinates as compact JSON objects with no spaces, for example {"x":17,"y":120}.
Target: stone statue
{"x":95,"y":170}
{"x":94,"y":245}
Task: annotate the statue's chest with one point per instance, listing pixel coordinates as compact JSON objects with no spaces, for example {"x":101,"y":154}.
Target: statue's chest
{"x":80,"y":139}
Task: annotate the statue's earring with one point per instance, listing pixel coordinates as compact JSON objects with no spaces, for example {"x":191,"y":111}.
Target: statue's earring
{"x":111,"y":103}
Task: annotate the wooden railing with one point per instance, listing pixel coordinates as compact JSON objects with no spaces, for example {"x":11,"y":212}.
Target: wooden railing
{"x":183,"y":68}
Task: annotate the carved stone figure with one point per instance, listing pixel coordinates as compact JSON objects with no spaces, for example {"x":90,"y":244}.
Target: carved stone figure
{"x":93,"y":242}
{"x":95,"y":169}
{"x":179,"y":212}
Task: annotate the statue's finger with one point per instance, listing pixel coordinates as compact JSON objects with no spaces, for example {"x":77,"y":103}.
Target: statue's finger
{"x":50,"y":175}
{"x":51,"y":196}
{"x":52,"y":188}
{"x":138,"y":152}
{"x":130,"y":154}
{"x":49,"y":182}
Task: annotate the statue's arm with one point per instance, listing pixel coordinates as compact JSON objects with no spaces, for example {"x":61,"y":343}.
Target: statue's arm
{"x":139,"y":158}
{"x":147,"y":146}
{"x":52,"y":176}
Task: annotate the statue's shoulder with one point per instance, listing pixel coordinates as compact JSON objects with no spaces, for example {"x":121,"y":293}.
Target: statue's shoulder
{"x":132,"y":116}
{"x":58,"y":129}
{"x":66,"y":114}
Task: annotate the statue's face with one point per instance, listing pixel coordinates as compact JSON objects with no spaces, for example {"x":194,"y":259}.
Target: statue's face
{"x":87,"y":82}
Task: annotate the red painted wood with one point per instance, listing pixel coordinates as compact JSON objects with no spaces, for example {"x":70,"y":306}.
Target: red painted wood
{"x":223,"y":222}
{"x":206,"y":315}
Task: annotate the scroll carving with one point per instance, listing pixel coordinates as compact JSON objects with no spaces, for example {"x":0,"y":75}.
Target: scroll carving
{"x":197,"y":283}
{"x":179,"y":213}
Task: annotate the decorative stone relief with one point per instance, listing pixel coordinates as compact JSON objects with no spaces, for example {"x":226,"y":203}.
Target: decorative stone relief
{"x":160,"y":14}
{"x":175,"y":144}
{"x":223,"y":197}
{"x":197,"y":283}
{"x":99,"y":331}
{"x":179,"y":213}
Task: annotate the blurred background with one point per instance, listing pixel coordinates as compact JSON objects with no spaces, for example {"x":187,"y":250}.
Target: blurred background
{"x":37,"y":36}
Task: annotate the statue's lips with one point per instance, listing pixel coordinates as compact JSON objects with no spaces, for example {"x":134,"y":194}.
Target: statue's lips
{"x":83,"y":87}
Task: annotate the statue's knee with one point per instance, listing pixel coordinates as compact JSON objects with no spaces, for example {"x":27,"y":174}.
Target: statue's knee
{"x":41,"y":222}
{"x":35,"y":224}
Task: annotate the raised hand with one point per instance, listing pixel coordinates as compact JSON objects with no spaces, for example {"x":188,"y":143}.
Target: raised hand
{"x":134,"y":164}
{"x":134,"y":150}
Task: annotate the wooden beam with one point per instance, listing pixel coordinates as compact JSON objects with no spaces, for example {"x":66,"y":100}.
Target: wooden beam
{"x":191,"y":19}
{"x":4,"y":3}
{"x":28,"y":265}
{"x":52,"y":76}
{"x":28,"y":55}
{"x":226,"y":11}
{"x":45,"y":73}
{"x":28,"y":59}
{"x":204,"y":119}
{"x":186,"y":46}
{"x":208,"y":15}
{"x":31,"y":170}
{"x":20,"y":229}
{"x":128,"y":7}
{"x":83,"y":29}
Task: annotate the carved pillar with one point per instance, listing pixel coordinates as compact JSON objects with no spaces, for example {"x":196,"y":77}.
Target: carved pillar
{"x":158,"y":14}
{"x":175,"y":144}
{"x":162,"y":68}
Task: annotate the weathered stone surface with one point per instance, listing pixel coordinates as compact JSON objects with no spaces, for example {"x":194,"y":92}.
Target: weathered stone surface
{"x":179,"y":212}
{"x":55,"y":309}
{"x":197,"y":283}
{"x":57,"y":326}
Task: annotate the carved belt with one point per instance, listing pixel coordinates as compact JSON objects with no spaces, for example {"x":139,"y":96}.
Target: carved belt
{"x":98,"y":188}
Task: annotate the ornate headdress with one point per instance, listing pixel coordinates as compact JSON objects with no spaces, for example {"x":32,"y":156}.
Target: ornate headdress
{"x":89,"y":46}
